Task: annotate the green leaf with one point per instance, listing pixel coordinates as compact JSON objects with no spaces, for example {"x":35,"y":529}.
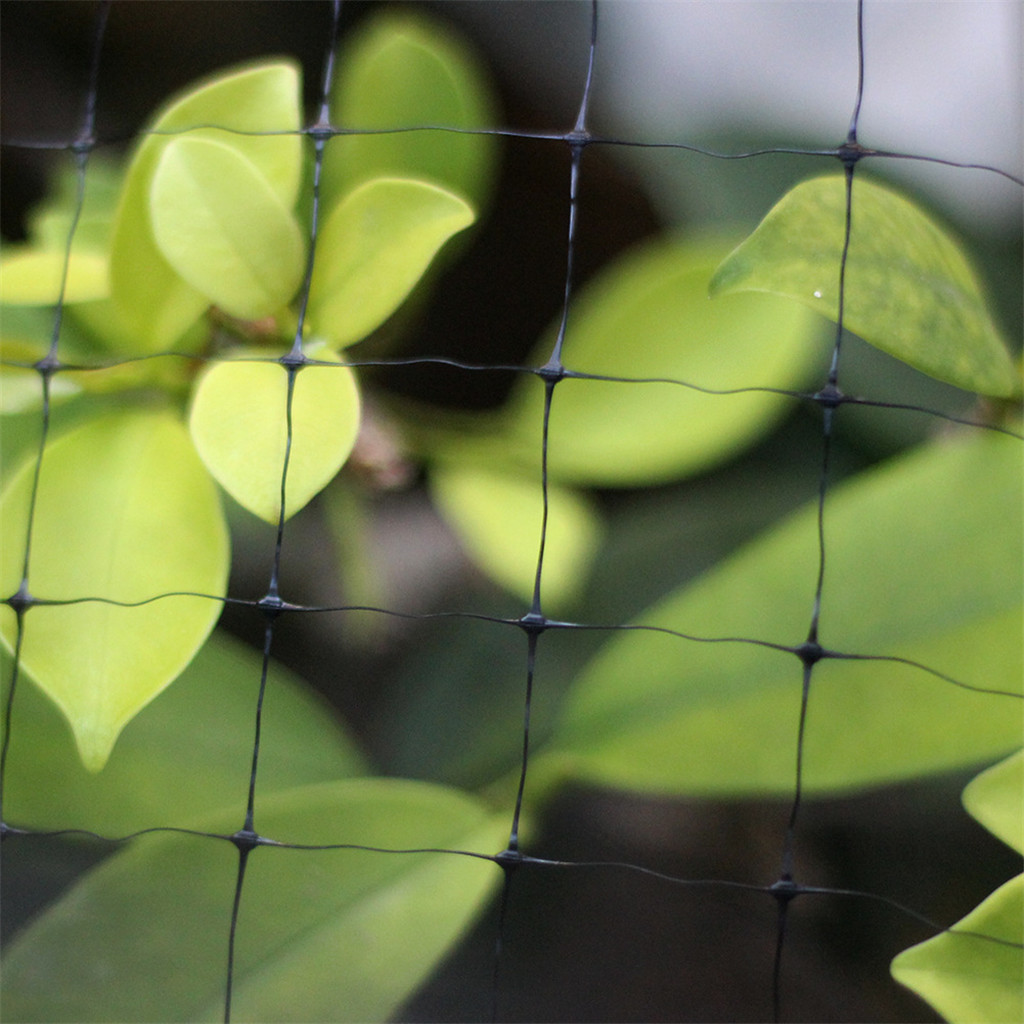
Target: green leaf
{"x":221,"y":226}
{"x":909,"y":289}
{"x":208,"y":712}
{"x":107,"y":328}
{"x":498,"y":518}
{"x":996,"y":799}
{"x":32,"y":278}
{"x":648,"y":316}
{"x":124,"y":512}
{"x":375,"y":245}
{"x":157,"y":304}
{"x":923,"y":562}
{"x":322,"y":935}
{"x":239,"y":424}
{"x":400,"y":70}
{"x":968,"y":978}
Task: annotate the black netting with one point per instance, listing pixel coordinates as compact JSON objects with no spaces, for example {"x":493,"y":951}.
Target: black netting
{"x":608,"y":904}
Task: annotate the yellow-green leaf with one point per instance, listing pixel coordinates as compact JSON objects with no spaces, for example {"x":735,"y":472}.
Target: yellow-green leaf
{"x":30,"y":277}
{"x":996,"y":799}
{"x":498,"y":518}
{"x":125,"y":512}
{"x":221,"y":226}
{"x":968,"y":978}
{"x":239,"y":423}
{"x":909,"y":289}
{"x":375,"y":245}
{"x":147,"y":783}
{"x":400,"y":70}
{"x":648,"y":316}
{"x":157,"y":304}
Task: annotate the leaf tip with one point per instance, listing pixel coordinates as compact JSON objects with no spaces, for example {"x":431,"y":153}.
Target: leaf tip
{"x":95,"y":745}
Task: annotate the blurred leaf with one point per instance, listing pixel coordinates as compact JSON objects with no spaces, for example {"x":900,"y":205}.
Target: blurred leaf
{"x":648,"y":315}
{"x":124,"y":512}
{"x":401,"y":70}
{"x":156,"y":303}
{"x":323,"y":935}
{"x":996,"y":799}
{"x":32,"y":278}
{"x":375,"y":245}
{"x":968,"y":978}
{"x":21,"y":387}
{"x":348,"y":516}
{"x":21,"y":432}
{"x":49,"y":223}
{"x":105,"y":326}
{"x":26,"y":324}
{"x":208,"y":712}
{"x":31,"y":274}
{"x":915,"y":569}
{"x":498,"y":518}
{"x":909,"y":288}
{"x":239,"y":424}
{"x":221,"y":226}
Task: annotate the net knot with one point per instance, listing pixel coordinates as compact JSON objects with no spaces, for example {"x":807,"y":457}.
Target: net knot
{"x":9,"y":831}
{"x":246,"y":840}
{"x":294,"y":360}
{"x":83,"y":145}
{"x":829,"y":396}
{"x":850,"y":152}
{"x":48,"y":365}
{"x":533,"y":622}
{"x":578,"y":138}
{"x":321,"y":131}
{"x":810,"y":653}
{"x":271,"y":604}
{"x":21,"y":600}
{"x":508,"y":859}
{"x":785,"y":889}
{"x":551,"y":372}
